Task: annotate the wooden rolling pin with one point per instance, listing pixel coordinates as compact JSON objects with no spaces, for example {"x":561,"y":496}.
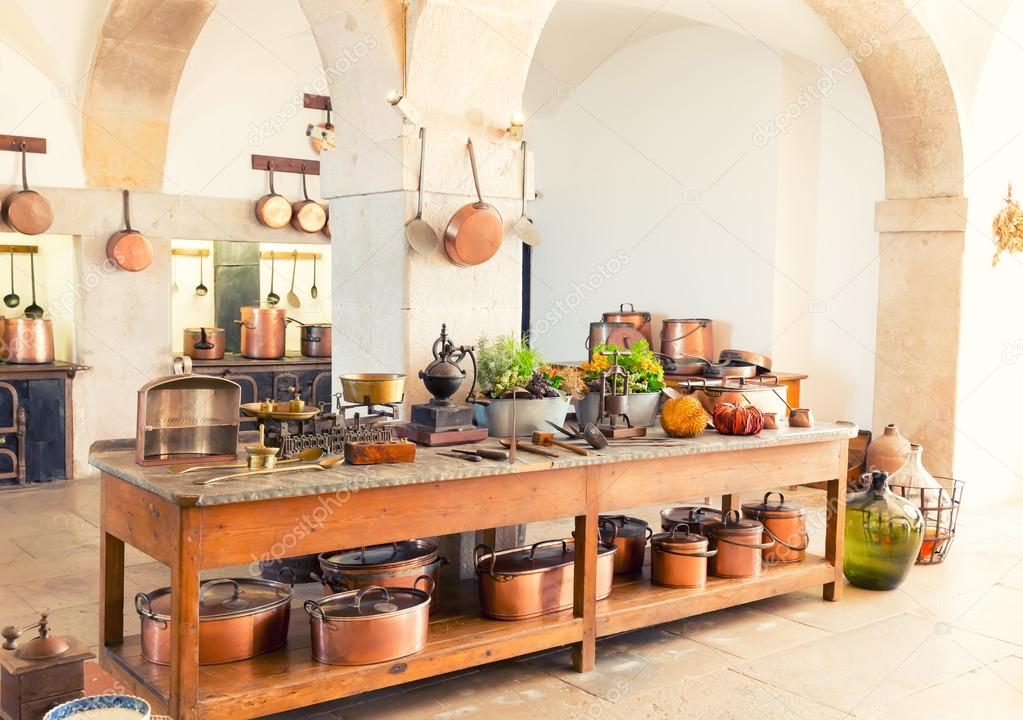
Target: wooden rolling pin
{"x":546,"y":439}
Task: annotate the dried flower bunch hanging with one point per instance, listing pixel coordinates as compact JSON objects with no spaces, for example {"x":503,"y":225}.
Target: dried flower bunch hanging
{"x":1008,"y":228}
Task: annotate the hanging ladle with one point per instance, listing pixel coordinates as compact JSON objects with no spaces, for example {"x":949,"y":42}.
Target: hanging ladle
{"x":314,"y":291}
{"x":201,"y":289}
{"x":293,"y":300}
{"x":272,"y":298}
{"x":33,"y":311}
{"x":11,"y":299}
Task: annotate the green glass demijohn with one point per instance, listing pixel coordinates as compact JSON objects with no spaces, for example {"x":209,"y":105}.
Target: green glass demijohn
{"x":883,"y":534}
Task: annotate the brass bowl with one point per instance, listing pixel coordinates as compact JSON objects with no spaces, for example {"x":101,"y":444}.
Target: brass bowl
{"x":374,"y":388}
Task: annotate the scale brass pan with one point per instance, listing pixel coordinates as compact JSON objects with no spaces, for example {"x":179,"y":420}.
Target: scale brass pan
{"x":254,"y":409}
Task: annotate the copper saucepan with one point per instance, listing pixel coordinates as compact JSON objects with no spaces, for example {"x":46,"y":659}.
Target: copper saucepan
{"x":475,"y":232}
{"x":204,"y":343}
{"x":273,"y":210}
{"x":307,"y":215}
{"x":129,"y":249}
{"x":27,"y":211}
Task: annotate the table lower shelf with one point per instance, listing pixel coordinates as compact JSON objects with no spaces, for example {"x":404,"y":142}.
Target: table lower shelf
{"x":459,"y":638}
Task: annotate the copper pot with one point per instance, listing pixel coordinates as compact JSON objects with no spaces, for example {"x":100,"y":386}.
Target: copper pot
{"x":784,"y":523}
{"x":695,"y":516}
{"x":630,"y":536}
{"x":535,"y":580}
{"x":204,"y":343}
{"x":685,"y":340}
{"x":738,"y":544}
{"x":370,"y":625}
{"x":307,"y":215}
{"x":391,"y":565}
{"x":129,"y":249}
{"x":273,"y":209}
{"x":679,"y":559}
{"x":26,"y":211}
{"x":239,"y":618}
{"x":28,"y":341}
{"x":764,"y":392}
{"x":602,"y":332}
{"x":316,"y":340}
{"x":263,"y":332}
{"x":635,"y":318}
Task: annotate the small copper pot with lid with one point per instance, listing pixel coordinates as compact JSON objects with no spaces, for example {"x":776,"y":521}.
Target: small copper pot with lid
{"x":636,"y":318}
{"x":371,"y":625}
{"x":739,"y":546}
{"x":784,"y":524}
{"x":679,"y":558}
{"x":630,"y":536}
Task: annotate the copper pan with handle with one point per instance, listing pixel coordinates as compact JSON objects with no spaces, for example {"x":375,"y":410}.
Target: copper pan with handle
{"x":26,"y":211}
{"x":129,"y":249}
{"x":475,"y":232}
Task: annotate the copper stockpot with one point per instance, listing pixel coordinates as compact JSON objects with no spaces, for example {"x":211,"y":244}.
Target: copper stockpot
{"x":738,"y":544}
{"x":204,"y":343}
{"x":686,"y":340}
{"x":392,"y":565}
{"x":316,"y":340}
{"x":679,"y":559}
{"x":535,"y":580}
{"x":784,"y":523}
{"x":28,"y":341}
{"x":263,"y":331}
{"x":695,"y":516}
{"x":630,"y":536}
{"x":239,"y":618}
{"x":370,"y":625}
{"x":635,"y":318}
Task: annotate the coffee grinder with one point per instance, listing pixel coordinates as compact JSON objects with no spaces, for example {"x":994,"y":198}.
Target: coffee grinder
{"x":444,"y":421}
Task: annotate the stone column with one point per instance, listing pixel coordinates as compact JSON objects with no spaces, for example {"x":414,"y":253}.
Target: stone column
{"x":918,"y":316}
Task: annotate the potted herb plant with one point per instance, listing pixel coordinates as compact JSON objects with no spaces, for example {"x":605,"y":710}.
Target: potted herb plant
{"x":646,"y":380}
{"x":505,"y":366}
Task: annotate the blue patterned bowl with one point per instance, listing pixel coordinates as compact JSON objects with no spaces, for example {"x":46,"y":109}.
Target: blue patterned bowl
{"x":102,"y":707}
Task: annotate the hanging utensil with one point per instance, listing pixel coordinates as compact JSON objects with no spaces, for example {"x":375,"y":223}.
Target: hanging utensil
{"x":293,"y":300}
{"x":324,"y":464}
{"x":307,"y":215}
{"x":33,"y":311}
{"x":272,"y":298}
{"x":523,"y":228}
{"x":420,"y":234}
{"x":129,"y":249}
{"x":174,"y":276}
{"x":474,"y":233}
{"x":11,"y":299}
{"x":273,"y":210}
{"x":27,"y":211}
{"x":314,"y":291}
{"x":201,"y":289}
{"x":322,"y":136}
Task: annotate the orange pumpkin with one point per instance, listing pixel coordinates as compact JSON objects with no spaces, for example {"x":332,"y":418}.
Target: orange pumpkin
{"x":738,"y":420}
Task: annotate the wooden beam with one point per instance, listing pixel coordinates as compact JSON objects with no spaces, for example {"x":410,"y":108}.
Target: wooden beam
{"x":13,"y":143}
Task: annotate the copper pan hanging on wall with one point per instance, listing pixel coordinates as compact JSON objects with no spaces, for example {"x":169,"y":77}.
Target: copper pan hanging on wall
{"x":129,"y":249}
{"x":474,"y":233}
{"x":26,"y":211}
{"x":273,"y":209}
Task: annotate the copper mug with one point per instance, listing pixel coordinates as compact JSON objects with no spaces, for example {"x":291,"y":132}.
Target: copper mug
{"x":28,"y":341}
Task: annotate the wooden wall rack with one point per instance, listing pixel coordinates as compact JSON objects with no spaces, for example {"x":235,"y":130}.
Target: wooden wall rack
{"x":286,"y":164}
{"x":190,"y":252}
{"x":19,"y":249}
{"x":13,"y":143}
{"x":316,"y":102}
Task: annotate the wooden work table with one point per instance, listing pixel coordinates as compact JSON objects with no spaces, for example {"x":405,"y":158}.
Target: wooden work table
{"x":192,"y":528}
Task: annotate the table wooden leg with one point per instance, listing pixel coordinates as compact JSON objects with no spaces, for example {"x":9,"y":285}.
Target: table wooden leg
{"x":111,"y":590}
{"x":834,"y":543}
{"x":184,"y":674}
{"x":584,"y":654}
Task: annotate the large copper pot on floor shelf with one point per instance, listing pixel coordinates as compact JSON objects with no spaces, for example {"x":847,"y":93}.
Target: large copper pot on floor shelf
{"x":263,"y":331}
{"x":27,"y":341}
{"x":239,"y":618}
{"x":630,"y":536}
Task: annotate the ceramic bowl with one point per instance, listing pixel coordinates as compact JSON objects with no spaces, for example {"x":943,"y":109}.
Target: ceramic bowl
{"x":102,"y":707}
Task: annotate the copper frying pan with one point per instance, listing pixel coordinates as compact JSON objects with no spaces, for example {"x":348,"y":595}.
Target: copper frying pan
{"x":129,"y":249}
{"x":26,"y":211}
{"x":273,"y":210}
{"x":307,"y":215}
{"x":474,"y":233}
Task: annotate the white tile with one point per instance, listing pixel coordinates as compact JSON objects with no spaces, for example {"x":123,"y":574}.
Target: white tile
{"x":745,"y":632}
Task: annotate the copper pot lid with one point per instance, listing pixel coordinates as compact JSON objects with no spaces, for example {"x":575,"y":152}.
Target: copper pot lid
{"x":209,"y":330}
{"x":624,"y":525}
{"x":697,"y":514}
{"x":680,"y":537}
{"x":777,"y":509}
{"x":621,"y":314}
{"x":366,"y":603}
{"x":733,"y":525}
{"x":381,"y":556}
{"x":224,"y":598}
{"x":541,"y":556}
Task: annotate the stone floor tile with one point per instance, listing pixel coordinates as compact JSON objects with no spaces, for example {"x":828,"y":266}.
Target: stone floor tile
{"x":858,"y":607}
{"x":996,"y":615}
{"x":745,"y":632}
